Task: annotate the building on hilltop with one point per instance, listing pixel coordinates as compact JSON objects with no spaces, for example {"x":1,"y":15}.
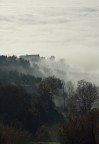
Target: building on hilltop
{"x":52,"y":58}
{"x":31,"y":57}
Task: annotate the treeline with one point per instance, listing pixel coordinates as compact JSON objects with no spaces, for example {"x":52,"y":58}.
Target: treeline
{"x":35,"y":108}
{"x":25,"y":113}
{"x":13,"y":63}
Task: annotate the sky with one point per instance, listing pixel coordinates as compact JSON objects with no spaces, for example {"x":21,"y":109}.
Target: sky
{"x":64,"y":28}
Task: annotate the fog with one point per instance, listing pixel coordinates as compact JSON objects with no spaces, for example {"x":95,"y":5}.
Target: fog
{"x":49,"y":67}
{"x":46,"y":67}
{"x":64,"y":28}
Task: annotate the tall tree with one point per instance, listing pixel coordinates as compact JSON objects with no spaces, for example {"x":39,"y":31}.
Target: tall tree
{"x":86,"y":94}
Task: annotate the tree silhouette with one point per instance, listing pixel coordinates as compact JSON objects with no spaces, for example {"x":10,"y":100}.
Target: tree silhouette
{"x":86,"y":94}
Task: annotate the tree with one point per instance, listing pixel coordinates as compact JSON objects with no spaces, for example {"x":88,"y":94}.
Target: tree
{"x":47,"y":90}
{"x":50,"y":86}
{"x":81,"y":130}
{"x":86,"y":94}
{"x":16,"y":109}
{"x":70,"y":89}
{"x":68,"y":95}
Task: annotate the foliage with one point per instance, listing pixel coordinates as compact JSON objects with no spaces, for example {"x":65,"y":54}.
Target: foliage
{"x":50,"y":86}
{"x":15,"y":108}
{"x":47,"y":89}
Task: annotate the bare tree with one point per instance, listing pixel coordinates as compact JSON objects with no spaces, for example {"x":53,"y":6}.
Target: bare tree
{"x":86,"y":94}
